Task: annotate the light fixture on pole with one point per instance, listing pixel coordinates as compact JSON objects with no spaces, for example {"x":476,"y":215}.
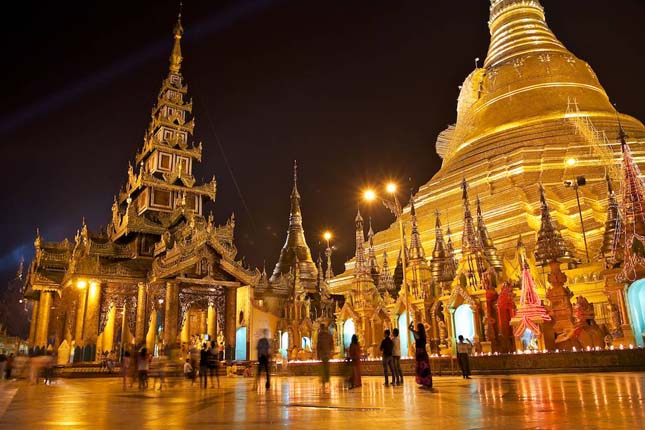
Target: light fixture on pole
{"x":575,"y":184}
{"x":395,"y":207}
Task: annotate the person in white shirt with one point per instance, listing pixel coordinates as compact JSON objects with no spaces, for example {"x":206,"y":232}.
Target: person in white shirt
{"x":463,"y":347}
{"x":396,"y":357}
{"x":189,"y":372}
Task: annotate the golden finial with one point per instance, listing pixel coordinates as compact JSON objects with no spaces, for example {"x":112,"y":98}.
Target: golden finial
{"x":175,"y":56}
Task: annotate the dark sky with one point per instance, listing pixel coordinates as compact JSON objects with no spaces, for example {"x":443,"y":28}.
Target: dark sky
{"x":357,"y":91}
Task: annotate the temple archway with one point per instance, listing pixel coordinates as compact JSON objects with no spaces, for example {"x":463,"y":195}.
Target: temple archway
{"x":636,"y":299}
{"x":240,"y":343}
{"x":349,"y":329}
{"x":284,"y":344}
{"x":464,"y":322}
{"x":403,"y":335}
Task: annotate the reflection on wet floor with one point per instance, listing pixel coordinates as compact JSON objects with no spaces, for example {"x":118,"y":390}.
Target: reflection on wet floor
{"x":596,"y":401}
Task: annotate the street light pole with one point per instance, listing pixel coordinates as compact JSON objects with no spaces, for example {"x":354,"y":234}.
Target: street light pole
{"x":575,"y":184}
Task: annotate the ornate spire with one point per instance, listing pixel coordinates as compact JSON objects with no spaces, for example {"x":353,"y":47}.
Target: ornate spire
{"x":487,"y":243}
{"x":632,"y":212}
{"x":416,"y":248}
{"x":359,"y":268}
{"x":329,"y":274}
{"x":470,"y":241}
{"x":550,"y":246}
{"x":385,"y":282}
{"x":441,"y":262}
{"x":175,"y":56}
{"x":450,"y":248}
{"x":611,"y":249}
{"x":372,"y":264}
{"x":531,"y":313}
{"x":295,"y":250}
{"x":519,"y":27}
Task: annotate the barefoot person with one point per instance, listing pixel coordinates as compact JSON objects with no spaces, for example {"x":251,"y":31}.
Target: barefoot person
{"x":264,"y":355}
{"x":324,"y":348}
{"x":423,"y":373}
{"x":355,"y":356}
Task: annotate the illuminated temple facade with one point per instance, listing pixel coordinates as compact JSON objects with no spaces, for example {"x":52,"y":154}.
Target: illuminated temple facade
{"x":162,"y":275}
{"x":532,"y":117}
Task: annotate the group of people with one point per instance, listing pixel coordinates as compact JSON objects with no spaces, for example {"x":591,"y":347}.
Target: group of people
{"x":209,"y":357}
{"x":6,"y":365}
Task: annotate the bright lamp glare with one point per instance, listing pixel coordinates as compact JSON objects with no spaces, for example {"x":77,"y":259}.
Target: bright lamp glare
{"x":391,"y":188}
{"x":81,"y":284}
{"x":571,"y":161}
{"x":369,"y":195}
{"x":327,"y":235}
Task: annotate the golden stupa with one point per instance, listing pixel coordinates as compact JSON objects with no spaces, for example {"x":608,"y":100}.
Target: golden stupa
{"x":534,"y":113}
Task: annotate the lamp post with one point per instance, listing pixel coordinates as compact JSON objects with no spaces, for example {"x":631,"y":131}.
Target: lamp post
{"x":395,"y":207}
{"x":575,"y":184}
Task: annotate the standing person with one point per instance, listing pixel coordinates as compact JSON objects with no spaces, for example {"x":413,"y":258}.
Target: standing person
{"x":126,"y":362}
{"x":324,"y":349}
{"x":396,"y":357}
{"x":203,"y":366}
{"x":264,"y":351}
{"x":8,"y":367}
{"x":355,"y":355}
{"x":143,"y":365}
{"x":424,"y":375}
{"x":48,"y":366}
{"x":213,"y":363}
{"x":462,"y":356}
{"x":386,"y":352}
{"x":3,"y":364}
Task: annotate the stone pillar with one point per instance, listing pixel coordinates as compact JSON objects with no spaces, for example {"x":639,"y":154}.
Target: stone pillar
{"x":151,"y":336}
{"x":203,"y":321}
{"x":34,"y":322}
{"x":93,"y":307}
{"x":212,"y":322}
{"x":42,"y":330}
{"x":185,"y":328}
{"x":230,"y":321}
{"x":80,"y":317}
{"x":171,"y":318}
{"x":140,"y":330}
{"x":108,"y":331}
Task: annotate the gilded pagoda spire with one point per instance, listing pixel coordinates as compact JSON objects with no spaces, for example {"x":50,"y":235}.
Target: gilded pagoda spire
{"x":372,"y":264}
{"x":450,"y":249}
{"x":610,"y":249}
{"x":441,"y":263}
{"x":470,"y":241}
{"x":175,"y":56}
{"x":518,"y":27}
{"x":329,"y":274}
{"x":487,"y":243}
{"x":385,"y":282}
{"x":359,"y":268}
{"x":295,"y":250}
{"x":550,"y":246}
{"x":416,"y":248}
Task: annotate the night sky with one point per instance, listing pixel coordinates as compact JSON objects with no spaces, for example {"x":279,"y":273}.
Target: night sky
{"x":356,"y":91}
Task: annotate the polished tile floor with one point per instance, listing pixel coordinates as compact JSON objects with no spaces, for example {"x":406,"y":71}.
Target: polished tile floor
{"x":576,"y":401}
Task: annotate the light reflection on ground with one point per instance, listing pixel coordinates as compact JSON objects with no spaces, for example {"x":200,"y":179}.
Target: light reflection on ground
{"x":590,"y":401}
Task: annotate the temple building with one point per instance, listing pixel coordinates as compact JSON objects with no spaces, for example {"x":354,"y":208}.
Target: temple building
{"x":294,"y":302}
{"x":532,"y":114}
{"x":162,"y":275}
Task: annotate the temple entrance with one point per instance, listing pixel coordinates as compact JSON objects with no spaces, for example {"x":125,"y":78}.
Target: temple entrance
{"x":404,"y":335}
{"x":348,"y":331}
{"x":284,"y":345}
{"x":464,"y":322}
{"x":240,"y":344}
{"x":636,"y":298}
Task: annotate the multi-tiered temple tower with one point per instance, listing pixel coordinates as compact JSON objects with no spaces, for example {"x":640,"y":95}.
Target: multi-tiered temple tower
{"x":162,"y":275}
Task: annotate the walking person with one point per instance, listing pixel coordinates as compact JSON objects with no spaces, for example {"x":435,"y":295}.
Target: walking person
{"x":396,"y":357}
{"x":463,"y":348}
{"x":126,"y":362}
{"x":355,"y":356}
{"x":423,"y":373}
{"x":8,"y":367}
{"x":324,"y":349}
{"x":213,"y":363}
{"x":387,"y":346}
{"x":143,"y":365}
{"x":203,"y":366}
{"x":264,"y":351}
{"x":3,"y":364}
